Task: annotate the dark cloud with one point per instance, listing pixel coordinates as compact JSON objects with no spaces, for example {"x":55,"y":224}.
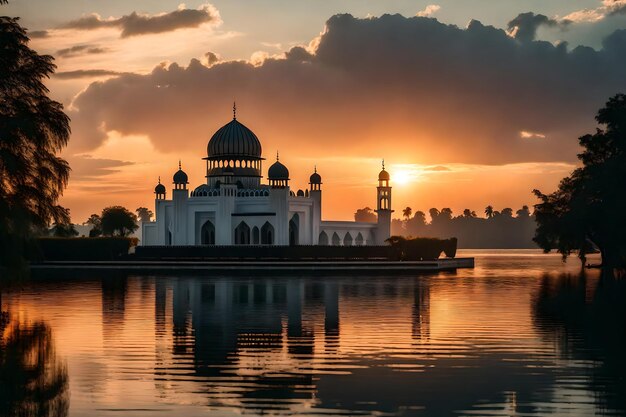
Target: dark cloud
{"x":80,"y":50}
{"x":139,"y":24}
{"x":34,"y":34}
{"x":91,"y":73}
{"x":211,"y":58}
{"x":524,"y":26}
{"x":412,"y":87}
{"x":88,"y":167}
{"x":300,"y":54}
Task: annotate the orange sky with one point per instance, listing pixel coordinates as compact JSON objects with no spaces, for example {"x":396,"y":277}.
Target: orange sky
{"x":465,"y":116}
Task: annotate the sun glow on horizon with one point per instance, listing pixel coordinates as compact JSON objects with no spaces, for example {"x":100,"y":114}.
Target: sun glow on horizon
{"x":402,"y":175}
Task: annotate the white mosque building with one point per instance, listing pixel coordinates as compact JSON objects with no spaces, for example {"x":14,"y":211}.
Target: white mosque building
{"x":233,"y":207}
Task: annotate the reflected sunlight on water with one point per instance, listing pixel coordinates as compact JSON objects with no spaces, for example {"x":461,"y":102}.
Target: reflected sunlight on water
{"x":521,"y":334}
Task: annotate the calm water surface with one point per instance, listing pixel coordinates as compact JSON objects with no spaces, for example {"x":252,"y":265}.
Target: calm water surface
{"x":522,"y":334}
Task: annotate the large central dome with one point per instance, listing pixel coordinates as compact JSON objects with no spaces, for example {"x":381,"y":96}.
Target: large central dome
{"x":234,"y":140}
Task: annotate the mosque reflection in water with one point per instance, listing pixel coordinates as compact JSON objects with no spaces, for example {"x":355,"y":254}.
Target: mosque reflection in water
{"x":429,"y":345}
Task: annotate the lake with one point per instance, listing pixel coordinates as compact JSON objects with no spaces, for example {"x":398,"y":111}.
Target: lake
{"x":521,"y":334}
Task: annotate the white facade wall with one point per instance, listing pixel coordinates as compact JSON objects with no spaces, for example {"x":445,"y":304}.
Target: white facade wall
{"x":179,"y":221}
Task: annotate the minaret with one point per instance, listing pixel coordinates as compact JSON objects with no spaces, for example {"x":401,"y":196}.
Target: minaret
{"x":315,"y":183}
{"x":383,"y":207}
{"x":278,"y":176}
{"x":180,"y":194}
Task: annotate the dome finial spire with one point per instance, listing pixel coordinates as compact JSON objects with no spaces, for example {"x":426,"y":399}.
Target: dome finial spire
{"x":234,"y":110}
{"x":159,"y":179}
{"x":277,"y":155}
{"x":383,"y":164}
{"x":315,"y":168}
{"x":179,"y":165}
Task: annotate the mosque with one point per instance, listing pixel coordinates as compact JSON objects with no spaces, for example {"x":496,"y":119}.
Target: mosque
{"x":233,"y":207}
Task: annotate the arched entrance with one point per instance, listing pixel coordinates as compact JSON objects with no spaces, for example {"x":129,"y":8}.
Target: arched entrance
{"x":323,"y":239}
{"x":255,"y":235}
{"x":267,"y":234}
{"x":347,"y":240}
{"x":359,"y":239}
{"x":294,"y":230}
{"x":207,"y":233}
{"x":242,"y":234}
{"x":336,"y":239}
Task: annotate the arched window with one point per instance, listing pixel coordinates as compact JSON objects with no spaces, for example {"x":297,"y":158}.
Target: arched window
{"x":267,"y":234}
{"x":255,"y":235}
{"x":336,"y":239}
{"x":294,"y":230}
{"x":207,"y":233}
{"x":347,"y":239}
{"x":323,"y":239}
{"x":242,"y":234}
{"x":359,"y":239}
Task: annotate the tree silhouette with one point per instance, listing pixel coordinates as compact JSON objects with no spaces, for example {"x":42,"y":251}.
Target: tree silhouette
{"x":588,"y":207}
{"x":365,"y":215}
{"x":63,"y":229}
{"x":118,"y":221}
{"x":434,"y":214}
{"x":497,"y":231}
{"x":407,"y":213}
{"x":489,"y":211}
{"x":95,"y":221}
{"x":523,"y":212}
{"x":144,"y":214}
{"x":33,"y":129}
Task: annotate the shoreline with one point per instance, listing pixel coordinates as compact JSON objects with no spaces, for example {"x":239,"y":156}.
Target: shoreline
{"x":264,"y":267}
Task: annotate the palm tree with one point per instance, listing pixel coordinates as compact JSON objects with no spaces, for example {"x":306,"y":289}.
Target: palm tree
{"x":33,"y":129}
{"x":489,"y":212}
{"x":407,"y":213}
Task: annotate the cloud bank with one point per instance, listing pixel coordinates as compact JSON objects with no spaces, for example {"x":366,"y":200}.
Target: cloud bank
{"x":136,"y":24}
{"x":410,"y":88}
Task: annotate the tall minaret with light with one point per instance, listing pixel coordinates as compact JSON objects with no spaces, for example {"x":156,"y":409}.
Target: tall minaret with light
{"x":383,"y":207}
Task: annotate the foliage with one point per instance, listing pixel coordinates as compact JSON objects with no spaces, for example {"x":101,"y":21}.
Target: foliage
{"x":498,"y":230}
{"x":365,"y":215}
{"x":144,"y":214}
{"x":33,"y":129}
{"x":118,"y":221}
{"x":95,"y":221}
{"x":63,"y":230}
{"x":588,"y":207}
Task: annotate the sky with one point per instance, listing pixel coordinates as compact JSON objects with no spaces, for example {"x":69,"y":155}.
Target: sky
{"x":469,"y":102}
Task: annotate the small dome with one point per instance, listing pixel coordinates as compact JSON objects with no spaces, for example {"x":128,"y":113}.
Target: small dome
{"x":180,"y":177}
{"x":383,"y":176}
{"x":315,"y":178}
{"x":160,"y":188}
{"x":278,"y":172}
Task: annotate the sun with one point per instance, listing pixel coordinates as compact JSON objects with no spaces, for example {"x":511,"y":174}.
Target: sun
{"x":401,"y":177}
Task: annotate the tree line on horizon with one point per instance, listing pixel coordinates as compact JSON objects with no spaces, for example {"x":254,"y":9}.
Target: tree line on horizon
{"x":113,"y":221}
{"x":501,"y":229}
